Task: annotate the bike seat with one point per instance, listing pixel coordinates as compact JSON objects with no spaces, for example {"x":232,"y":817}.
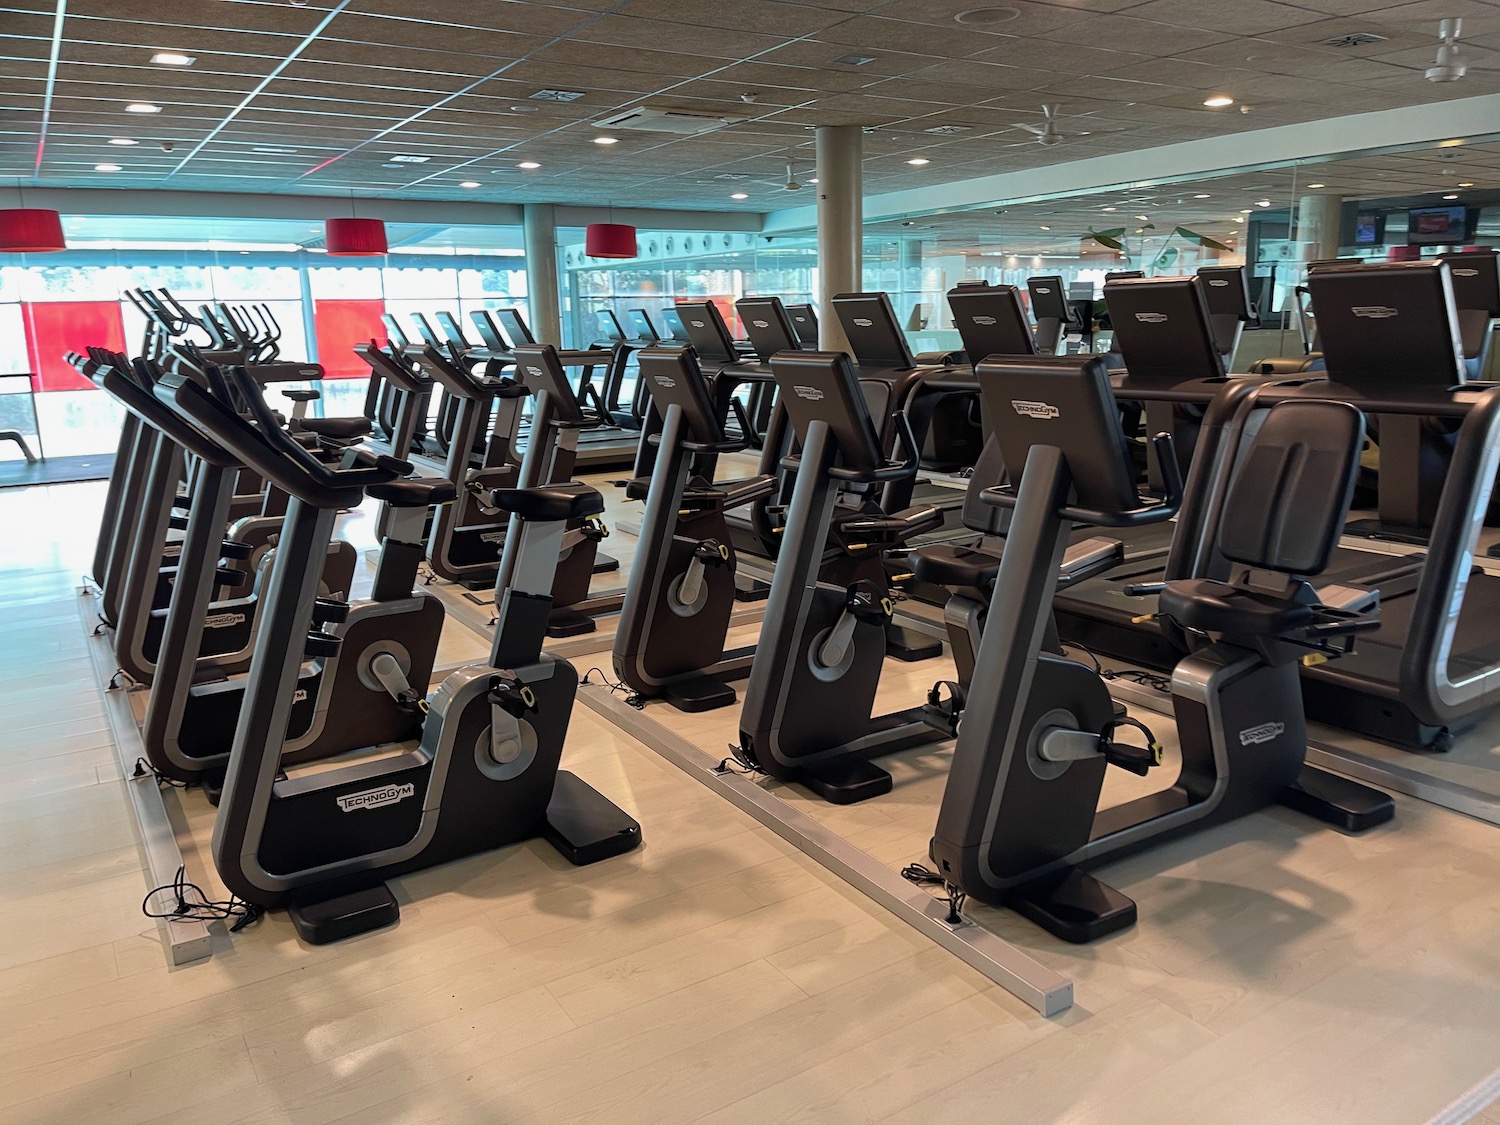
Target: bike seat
{"x":637,"y":488}
{"x":945,"y":565}
{"x":415,"y":492}
{"x":549,"y":502}
{"x":299,"y":394}
{"x":1218,"y":607}
{"x":340,"y":428}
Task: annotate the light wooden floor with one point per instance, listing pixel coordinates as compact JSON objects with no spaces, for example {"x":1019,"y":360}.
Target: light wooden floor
{"x":1280,"y":974}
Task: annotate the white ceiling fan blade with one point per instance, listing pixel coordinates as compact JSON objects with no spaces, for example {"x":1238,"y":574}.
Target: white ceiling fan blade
{"x":1037,"y":129}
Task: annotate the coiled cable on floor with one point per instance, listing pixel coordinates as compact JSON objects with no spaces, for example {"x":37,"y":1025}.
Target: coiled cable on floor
{"x":189,"y":903}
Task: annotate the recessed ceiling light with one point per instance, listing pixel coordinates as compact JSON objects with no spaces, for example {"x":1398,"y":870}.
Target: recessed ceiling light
{"x":919,"y":160}
{"x":123,"y":141}
{"x":1315,"y":186}
{"x":142,"y":107}
{"x":812,"y":179}
{"x":1218,"y":101}
{"x":1454,"y":143}
{"x":1239,"y":218}
{"x":988,"y":15}
{"x":739,"y":195}
{"x":1450,"y":197}
{"x":1109,"y":208}
{"x":469,"y":184}
{"x":1465,"y":183}
{"x":529,"y":165}
{"x":1246,"y":210}
{"x":1203,"y":195}
{"x":1144,"y":218}
{"x":172,"y":58}
{"x":606,"y":140}
{"x":525,"y":109}
{"x":1046,"y":228}
{"x":106,"y":167}
{"x":1263,"y":203}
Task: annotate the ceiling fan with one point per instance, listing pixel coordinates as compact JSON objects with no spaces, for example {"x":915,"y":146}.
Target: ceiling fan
{"x":1450,"y":64}
{"x":791,"y":183}
{"x":1047,"y":132}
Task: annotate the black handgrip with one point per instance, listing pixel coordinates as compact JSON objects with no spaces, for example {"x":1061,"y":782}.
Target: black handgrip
{"x":1171,"y":472}
{"x":1142,"y":589}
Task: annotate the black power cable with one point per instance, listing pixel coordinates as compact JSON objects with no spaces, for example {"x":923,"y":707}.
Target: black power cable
{"x":188,"y":902}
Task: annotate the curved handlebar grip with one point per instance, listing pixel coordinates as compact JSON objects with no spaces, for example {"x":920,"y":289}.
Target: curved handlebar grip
{"x":1171,"y":472}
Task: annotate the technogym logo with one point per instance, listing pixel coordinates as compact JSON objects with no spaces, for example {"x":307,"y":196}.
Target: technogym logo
{"x":1374,"y":312}
{"x":1151,"y":317}
{"x":1218,"y":283}
{"x":223,"y":620}
{"x":1254,"y":736}
{"x":812,"y":394}
{"x":986,"y":320}
{"x":1028,"y":409}
{"x":376,"y":798}
{"x":663,"y":381}
{"x":863,"y":323}
{"x":761,"y":323}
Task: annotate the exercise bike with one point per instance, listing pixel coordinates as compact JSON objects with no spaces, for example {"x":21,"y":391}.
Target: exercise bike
{"x":1019,"y":820}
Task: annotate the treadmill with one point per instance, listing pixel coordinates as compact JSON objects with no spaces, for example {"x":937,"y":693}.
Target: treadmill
{"x":1476,"y":293}
{"x":599,"y":448}
{"x":1227,"y":289}
{"x":1055,"y":315}
{"x":1393,"y":347}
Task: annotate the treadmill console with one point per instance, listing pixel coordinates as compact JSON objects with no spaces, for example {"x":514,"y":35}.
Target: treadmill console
{"x":488,"y":330}
{"x":1227,"y":289}
{"x":1162,"y":328}
{"x":768,"y":326}
{"x":394,"y":332}
{"x":640,"y":324}
{"x":540,"y":369}
{"x":707,"y":332}
{"x":875,"y":336}
{"x":672,"y":322}
{"x":515,"y":326}
{"x":1048,"y":298}
{"x":607,"y":326}
{"x":1393,"y":324}
{"x":452,"y":331}
{"x":424,"y":329}
{"x":990,"y":321}
{"x":804,"y":320}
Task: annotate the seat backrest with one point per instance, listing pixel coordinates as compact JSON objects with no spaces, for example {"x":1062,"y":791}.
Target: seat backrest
{"x":1285,"y":508}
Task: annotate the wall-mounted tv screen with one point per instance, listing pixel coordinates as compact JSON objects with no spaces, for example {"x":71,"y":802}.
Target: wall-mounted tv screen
{"x":1436,"y":226}
{"x":1367,"y":228}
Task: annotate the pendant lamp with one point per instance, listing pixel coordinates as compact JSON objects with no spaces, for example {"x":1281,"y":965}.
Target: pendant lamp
{"x":351,"y":237}
{"x":30,"y":230}
{"x":609,"y":240}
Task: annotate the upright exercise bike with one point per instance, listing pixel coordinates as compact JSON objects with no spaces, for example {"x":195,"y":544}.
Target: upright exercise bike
{"x":1019,"y":819}
{"x":484,"y":771}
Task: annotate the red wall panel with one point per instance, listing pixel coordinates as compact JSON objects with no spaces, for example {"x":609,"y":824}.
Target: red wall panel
{"x":341,"y":325}
{"x":55,"y":327}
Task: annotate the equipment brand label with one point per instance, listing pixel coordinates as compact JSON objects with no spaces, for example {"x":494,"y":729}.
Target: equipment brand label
{"x":812,"y":394}
{"x":1218,"y":283}
{"x":863,"y":323}
{"x":299,"y":696}
{"x":1254,"y":736}
{"x":1043,"y":289}
{"x":537,"y":371}
{"x":376,"y":798}
{"x":1374,"y":312}
{"x":663,"y":381}
{"x":1465,"y":273}
{"x":223,"y":620}
{"x":1151,"y":318}
{"x":982,"y":319}
{"x":1027,"y":409}
{"x":492,"y":536}
{"x":699,"y":324}
{"x":761,"y":323}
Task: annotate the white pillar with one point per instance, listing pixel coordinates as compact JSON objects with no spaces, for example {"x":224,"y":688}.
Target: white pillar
{"x":539,"y":231}
{"x":1318,"y":226}
{"x":840,"y":219}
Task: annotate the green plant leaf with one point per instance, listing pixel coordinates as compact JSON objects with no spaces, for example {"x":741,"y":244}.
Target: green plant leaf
{"x":1109,"y":238}
{"x":1200,"y":239}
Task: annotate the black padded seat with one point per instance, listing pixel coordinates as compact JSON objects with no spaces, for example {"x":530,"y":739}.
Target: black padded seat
{"x":638,"y":488}
{"x":300,"y":394}
{"x":339,"y":428}
{"x":742,"y":491}
{"x":1218,"y":607}
{"x":417,"y":492}
{"x":946,"y":565}
{"x":549,"y":502}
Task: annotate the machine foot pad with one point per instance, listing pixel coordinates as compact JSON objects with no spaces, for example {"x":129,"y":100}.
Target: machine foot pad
{"x":1338,"y":801}
{"x":701,"y":694}
{"x":321,"y":918}
{"x":1073,"y":906}
{"x":846,"y":780}
{"x":910,"y":646}
{"x":585,"y":825}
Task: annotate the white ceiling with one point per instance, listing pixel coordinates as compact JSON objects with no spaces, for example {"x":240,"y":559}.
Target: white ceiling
{"x":336,"y":89}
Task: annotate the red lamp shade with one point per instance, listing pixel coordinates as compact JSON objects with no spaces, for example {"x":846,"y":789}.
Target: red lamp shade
{"x":609,"y":240}
{"x":350,"y":237}
{"x":30,"y":230}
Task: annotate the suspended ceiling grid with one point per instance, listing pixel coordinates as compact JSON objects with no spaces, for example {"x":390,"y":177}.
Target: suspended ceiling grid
{"x":329,"y":93}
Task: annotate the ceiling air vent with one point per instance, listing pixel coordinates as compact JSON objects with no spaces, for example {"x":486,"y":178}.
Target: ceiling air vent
{"x":651,"y":120}
{"x":1356,"y":39}
{"x":948,"y":130}
{"x":556,"y":95}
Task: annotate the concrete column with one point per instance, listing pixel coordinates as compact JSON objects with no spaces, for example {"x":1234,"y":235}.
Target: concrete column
{"x":539,"y":231}
{"x":910,"y":261}
{"x":840,"y":222}
{"x":1318,"y":226}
